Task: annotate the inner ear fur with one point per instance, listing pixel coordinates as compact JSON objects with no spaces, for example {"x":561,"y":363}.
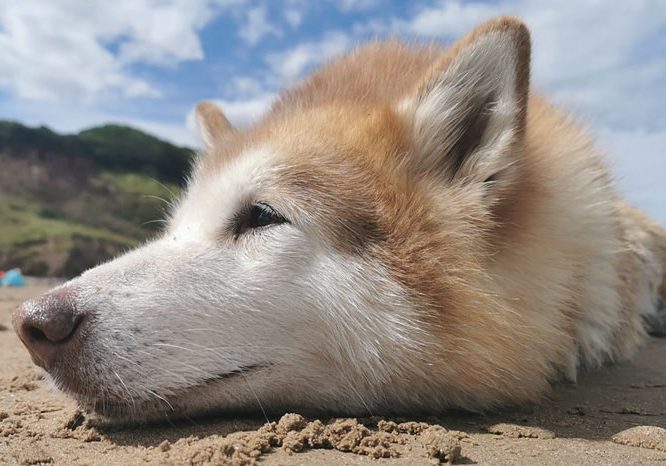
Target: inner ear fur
{"x":468,"y":114}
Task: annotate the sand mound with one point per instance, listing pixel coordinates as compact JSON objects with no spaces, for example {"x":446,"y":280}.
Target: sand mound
{"x":643,"y":436}
{"x":294,"y":434}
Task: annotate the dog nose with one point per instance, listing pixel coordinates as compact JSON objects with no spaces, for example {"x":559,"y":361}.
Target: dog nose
{"x":47,"y":325}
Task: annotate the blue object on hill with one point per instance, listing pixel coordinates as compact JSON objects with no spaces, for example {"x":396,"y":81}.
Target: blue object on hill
{"x":13,"y":277}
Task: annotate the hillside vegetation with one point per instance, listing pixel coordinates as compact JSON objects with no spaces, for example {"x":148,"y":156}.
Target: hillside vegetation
{"x":68,"y":202}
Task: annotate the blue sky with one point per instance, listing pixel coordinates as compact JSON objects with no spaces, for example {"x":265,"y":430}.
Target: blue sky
{"x":71,"y":64}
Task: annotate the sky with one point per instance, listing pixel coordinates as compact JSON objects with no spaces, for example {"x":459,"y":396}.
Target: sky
{"x":73,"y":64}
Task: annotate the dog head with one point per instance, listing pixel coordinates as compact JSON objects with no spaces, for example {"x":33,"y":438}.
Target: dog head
{"x":323,"y":259}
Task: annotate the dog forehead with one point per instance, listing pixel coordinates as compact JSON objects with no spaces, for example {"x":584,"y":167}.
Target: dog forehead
{"x":301,"y":150}
{"x":213,"y":194}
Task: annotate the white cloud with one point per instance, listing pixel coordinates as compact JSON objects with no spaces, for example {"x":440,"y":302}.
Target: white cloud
{"x":243,"y":112}
{"x":596,"y":59}
{"x":291,"y":64}
{"x":257,"y":26}
{"x":639,"y":161}
{"x":176,"y":133}
{"x":245,"y":86}
{"x":82,"y":51}
{"x":354,"y":5}
{"x":449,"y":19}
{"x":293,"y":16}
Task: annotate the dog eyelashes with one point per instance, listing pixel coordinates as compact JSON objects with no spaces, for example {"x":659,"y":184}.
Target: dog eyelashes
{"x":258,"y":215}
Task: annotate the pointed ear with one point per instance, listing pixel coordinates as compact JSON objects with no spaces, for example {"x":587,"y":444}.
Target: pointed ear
{"x":213,"y":125}
{"x":468,"y":114}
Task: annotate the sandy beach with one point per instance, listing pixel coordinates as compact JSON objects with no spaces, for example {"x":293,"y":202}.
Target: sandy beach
{"x":613,"y":416}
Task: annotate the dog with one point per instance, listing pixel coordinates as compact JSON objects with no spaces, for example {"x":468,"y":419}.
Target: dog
{"x":409,"y":229}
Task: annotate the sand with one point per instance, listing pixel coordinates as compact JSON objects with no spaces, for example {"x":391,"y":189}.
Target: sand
{"x":613,"y":416}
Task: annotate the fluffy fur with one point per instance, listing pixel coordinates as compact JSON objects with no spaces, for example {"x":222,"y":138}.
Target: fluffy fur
{"x":452,"y":241}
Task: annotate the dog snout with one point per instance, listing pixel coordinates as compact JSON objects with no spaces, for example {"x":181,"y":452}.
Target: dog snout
{"x":48,"y":325}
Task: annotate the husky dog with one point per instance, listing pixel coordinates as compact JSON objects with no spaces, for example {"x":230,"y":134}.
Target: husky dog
{"x":407,"y":230}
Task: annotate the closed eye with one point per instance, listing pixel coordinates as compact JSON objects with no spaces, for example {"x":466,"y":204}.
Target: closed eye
{"x":258,"y":215}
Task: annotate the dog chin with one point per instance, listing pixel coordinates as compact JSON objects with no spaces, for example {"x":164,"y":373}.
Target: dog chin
{"x":221,"y":394}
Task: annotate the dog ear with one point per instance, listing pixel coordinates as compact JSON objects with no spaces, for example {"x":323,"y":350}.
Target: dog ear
{"x":468,"y":113}
{"x":213,"y":125}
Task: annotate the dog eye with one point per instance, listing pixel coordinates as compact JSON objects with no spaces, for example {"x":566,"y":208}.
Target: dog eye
{"x":262,"y":215}
{"x":258,"y":216}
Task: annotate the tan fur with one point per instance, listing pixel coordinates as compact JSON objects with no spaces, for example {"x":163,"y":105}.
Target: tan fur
{"x":213,"y":125}
{"x":551,"y":274}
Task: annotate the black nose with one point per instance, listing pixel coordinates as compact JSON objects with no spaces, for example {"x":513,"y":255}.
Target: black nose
{"x":48,"y":325}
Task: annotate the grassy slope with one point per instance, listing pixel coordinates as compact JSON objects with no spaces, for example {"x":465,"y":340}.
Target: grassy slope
{"x":56,"y":230}
{"x":24,"y":222}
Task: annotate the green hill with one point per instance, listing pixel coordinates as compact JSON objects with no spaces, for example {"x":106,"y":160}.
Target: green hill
{"x":68,"y":202}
